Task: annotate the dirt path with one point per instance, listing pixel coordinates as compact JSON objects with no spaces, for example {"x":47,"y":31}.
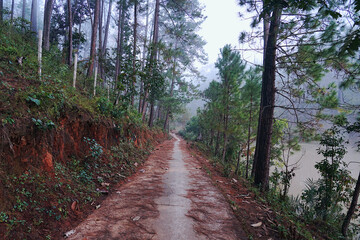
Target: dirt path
{"x":169,"y":198}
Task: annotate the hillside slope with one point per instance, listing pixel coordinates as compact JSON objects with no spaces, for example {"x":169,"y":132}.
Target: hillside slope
{"x":61,"y":150}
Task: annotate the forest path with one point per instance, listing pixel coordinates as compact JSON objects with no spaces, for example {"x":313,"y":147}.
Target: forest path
{"x":169,"y":198}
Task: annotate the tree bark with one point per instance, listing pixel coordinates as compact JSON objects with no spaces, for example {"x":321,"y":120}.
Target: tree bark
{"x":120,"y":44}
{"x":238,"y":162}
{"x":117,"y":64}
{"x":70,"y":49}
{"x":266,"y":26}
{"x":352,"y":207}
{"x":134,"y":51}
{"x":23,"y":8}
{"x":49,"y":5}
{"x":106,"y":34}
{"x":153,"y":53}
{"x":34,"y":13}
{"x":93,"y":38}
{"x":248,"y":140}
{"x":151,"y":117}
{"x":1,"y":10}
{"x":142,"y":98}
{"x":171,"y":90}
{"x":101,"y":14}
{"x":262,"y":154}
{"x":217,"y":143}
{"x":12,"y":11}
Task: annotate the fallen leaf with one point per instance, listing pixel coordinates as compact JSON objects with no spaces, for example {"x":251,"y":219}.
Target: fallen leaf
{"x":256,"y":224}
{"x":74,"y":206}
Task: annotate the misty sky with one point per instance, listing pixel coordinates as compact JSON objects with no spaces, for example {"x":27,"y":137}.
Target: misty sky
{"x":221,"y":27}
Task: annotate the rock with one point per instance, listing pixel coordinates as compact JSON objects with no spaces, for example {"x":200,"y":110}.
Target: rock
{"x":105,"y":184}
{"x":137,"y":218}
{"x":102,"y":191}
{"x":69,"y":233}
{"x":256,"y":224}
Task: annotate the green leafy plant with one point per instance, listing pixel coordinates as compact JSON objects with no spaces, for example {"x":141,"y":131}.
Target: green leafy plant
{"x":96,"y":150}
{"x":45,"y":124}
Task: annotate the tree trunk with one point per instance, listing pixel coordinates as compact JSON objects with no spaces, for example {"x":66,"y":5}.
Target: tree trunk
{"x":49,"y":5}
{"x":151,"y":117}
{"x":225,"y":137}
{"x":12,"y":11}
{"x":352,"y":207}
{"x":70,"y":49}
{"x":120,"y":42}
{"x":23,"y":9}
{"x":34,"y":13}
{"x":248,"y":140}
{"x":262,"y":154}
{"x":1,"y":10}
{"x":75,"y":69}
{"x":266,"y":33}
{"x":153,"y":53}
{"x":106,"y":34}
{"x":238,"y":162}
{"x":211,"y":137}
{"x":93,"y":38}
{"x":141,"y":97}
{"x":266,"y":26}
{"x":117,"y":64}
{"x":134,"y":52}
{"x":171,"y":90}
{"x":144,"y":106}
{"x":101,"y":14}
{"x":217,"y":143}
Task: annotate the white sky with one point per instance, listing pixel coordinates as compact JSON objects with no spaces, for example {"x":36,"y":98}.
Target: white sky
{"x":222,"y":26}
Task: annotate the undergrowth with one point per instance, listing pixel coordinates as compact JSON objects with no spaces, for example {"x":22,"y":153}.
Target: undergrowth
{"x":36,"y":201}
{"x":289,"y":223}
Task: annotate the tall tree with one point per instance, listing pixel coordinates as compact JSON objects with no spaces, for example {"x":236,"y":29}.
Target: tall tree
{"x":120,"y":45}
{"x":263,"y":141}
{"x":23,"y":9}
{"x":70,"y":36}
{"x":93,"y":38}
{"x":153,"y":56}
{"x":48,"y":9}
{"x":300,"y":51}
{"x":34,"y":15}
{"x":250,"y":96}
{"x":230,"y":70}
{"x":106,"y":36}
{"x":1,"y":10}
{"x":134,"y":50}
{"x":12,"y":11}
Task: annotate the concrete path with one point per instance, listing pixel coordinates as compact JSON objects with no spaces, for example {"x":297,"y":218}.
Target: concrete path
{"x":169,"y":198}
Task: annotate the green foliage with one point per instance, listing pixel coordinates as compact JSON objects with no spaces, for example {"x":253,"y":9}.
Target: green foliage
{"x":192,"y":129}
{"x":44,"y":124}
{"x":96,"y":150}
{"x":336,"y":183}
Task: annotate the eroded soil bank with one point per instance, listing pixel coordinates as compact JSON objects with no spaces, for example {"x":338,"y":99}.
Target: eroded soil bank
{"x":169,"y":198}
